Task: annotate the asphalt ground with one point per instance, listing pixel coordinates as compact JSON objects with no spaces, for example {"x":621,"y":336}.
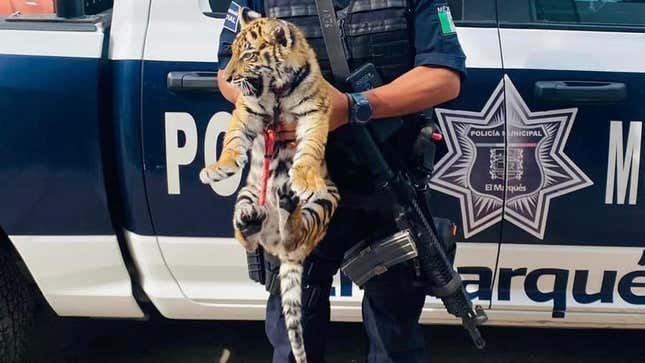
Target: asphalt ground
{"x":166,"y":341}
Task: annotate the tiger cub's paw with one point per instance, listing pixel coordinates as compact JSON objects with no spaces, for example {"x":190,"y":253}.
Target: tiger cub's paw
{"x":287,"y":198}
{"x":248,"y":219}
{"x":226,"y":166}
{"x":306,"y":179}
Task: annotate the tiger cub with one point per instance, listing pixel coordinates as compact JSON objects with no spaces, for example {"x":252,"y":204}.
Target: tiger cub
{"x":278,"y":74}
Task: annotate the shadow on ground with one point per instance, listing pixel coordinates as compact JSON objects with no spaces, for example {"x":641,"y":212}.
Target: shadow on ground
{"x":166,"y":341}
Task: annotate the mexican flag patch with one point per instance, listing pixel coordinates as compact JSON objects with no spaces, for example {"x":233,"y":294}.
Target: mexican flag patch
{"x":445,"y":20}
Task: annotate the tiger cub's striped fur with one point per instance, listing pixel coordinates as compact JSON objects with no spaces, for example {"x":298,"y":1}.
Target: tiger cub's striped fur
{"x":278,"y":74}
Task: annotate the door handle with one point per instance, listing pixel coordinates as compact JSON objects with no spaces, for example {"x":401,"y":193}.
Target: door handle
{"x":581,"y":92}
{"x":196,"y":81}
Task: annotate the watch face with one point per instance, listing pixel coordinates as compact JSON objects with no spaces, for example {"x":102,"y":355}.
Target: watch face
{"x":363,"y":113}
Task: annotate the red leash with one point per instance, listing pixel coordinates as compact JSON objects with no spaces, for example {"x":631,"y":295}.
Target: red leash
{"x":269,"y":145}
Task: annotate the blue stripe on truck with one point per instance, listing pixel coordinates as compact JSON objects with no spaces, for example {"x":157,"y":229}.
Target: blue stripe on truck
{"x":52,"y":173}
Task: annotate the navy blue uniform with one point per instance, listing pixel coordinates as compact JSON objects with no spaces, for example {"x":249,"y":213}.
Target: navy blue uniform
{"x":392,"y":303}
{"x":433,"y":46}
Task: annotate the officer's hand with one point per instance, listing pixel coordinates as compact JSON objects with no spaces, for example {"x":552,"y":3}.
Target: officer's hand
{"x":339,"y":117}
{"x":287,"y":133}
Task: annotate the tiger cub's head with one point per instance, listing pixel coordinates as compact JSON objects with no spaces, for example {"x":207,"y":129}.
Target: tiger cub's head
{"x":268,"y":55}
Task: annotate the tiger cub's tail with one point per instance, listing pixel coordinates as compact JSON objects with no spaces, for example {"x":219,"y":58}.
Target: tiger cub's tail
{"x":291,"y":291}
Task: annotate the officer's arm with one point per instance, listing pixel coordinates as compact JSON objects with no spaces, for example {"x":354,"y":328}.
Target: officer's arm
{"x":439,"y":62}
{"x":419,"y":89}
{"x":416,"y":90}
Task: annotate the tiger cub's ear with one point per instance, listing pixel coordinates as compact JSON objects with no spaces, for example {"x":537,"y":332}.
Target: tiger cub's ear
{"x":247,"y":15}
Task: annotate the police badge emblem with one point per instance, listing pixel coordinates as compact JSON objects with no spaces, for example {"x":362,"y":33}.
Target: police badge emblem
{"x":506,"y":162}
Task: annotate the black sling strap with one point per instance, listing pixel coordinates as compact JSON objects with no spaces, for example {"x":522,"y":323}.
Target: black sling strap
{"x":333,"y":41}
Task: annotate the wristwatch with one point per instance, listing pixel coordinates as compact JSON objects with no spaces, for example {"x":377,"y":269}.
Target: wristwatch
{"x":360,"y":109}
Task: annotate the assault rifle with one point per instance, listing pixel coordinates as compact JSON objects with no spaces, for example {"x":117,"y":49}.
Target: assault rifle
{"x":414,"y":216}
{"x":418,"y":235}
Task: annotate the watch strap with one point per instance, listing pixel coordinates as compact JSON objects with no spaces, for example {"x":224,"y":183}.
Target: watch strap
{"x":358,"y":101}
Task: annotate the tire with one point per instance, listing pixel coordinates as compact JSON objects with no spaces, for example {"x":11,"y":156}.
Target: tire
{"x":16,"y":309}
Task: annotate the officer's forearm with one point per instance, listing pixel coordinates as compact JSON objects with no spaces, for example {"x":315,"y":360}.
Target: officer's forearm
{"x":414,"y":91}
{"x":228,"y":91}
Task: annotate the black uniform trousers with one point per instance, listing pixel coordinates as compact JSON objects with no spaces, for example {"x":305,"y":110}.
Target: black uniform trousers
{"x":391,"y":306}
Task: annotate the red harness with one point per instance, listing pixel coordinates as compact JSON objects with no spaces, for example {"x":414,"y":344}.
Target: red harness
{"x":269,"y":146}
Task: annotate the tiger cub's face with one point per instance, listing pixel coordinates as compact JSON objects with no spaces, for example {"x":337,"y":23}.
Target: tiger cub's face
{"x":266,"y":55}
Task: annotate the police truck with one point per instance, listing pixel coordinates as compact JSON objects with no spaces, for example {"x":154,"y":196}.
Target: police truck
{"x":109,"y":109}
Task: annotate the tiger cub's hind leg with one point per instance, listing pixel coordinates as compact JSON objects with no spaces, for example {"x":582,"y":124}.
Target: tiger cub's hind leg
{"x":248,"y":217}
{"x":290,"y":223}
{"x":306,"y":224}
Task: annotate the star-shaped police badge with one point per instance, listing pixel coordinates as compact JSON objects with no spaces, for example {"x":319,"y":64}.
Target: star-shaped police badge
{"x":506,"y":162}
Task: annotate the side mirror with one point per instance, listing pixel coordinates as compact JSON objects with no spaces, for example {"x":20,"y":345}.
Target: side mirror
{"x":214,"y":8}
{"x":69,"y":9}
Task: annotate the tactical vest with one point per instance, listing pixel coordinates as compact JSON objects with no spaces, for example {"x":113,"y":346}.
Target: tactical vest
{"x":376,"y":31}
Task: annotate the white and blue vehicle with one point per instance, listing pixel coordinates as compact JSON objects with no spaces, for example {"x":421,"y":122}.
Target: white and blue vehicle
{"x":108,"y":114}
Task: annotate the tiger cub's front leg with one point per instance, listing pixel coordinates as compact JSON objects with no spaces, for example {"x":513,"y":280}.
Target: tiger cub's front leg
{"x":237,"y":141}
{"x":306,"y":172}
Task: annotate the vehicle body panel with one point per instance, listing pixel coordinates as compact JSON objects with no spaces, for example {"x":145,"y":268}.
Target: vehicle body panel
{"x":594,"y":238}
{"x":97,"y":149}
{"x":54,"y":151}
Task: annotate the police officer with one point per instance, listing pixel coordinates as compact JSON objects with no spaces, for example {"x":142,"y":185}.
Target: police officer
{"x":414,"y":45}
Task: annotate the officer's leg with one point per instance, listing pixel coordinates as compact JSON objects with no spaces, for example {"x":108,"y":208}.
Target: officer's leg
{"x":391,"y":309}
{"x":315,"y":314}
{"x":276,"y":331}
{"x":319,"y":270}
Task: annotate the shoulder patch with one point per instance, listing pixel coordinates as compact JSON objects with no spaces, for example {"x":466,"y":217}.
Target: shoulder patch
{"x":445,"y":20}
{"x":232,"y":17}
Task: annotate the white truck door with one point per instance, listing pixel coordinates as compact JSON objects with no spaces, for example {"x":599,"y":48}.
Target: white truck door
{"x":573,"y":238}
{"x":55,"y":101}
{"x":184,"y":118}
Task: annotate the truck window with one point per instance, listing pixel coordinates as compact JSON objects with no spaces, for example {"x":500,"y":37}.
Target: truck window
{"x":48,"y":11}
{"x":214,"y":8}
{"x":592,"y":14}
{"x":472,"y":12}
{"x":64,"y":8}
{"x":8,"y":7}
{"x":92,"y":7}
{"x":464,"y":12}
{"x":74,"y":8}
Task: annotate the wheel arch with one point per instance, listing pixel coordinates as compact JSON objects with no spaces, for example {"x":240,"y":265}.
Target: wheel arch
{"x":8,"y":246}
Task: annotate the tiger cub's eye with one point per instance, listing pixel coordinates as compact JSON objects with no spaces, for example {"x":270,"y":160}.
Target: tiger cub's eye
{"x":248,"y":56}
